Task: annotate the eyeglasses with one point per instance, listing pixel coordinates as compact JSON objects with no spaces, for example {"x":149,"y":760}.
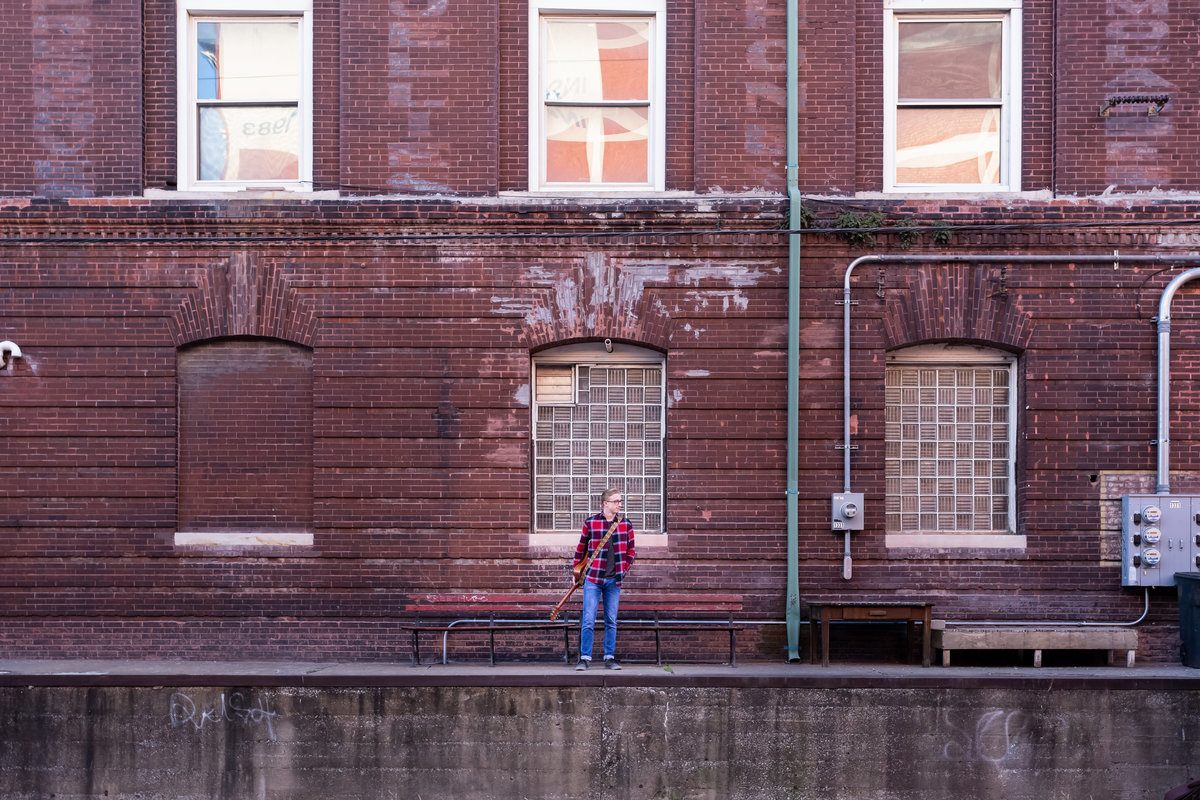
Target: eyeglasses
{"x":615,"y":502}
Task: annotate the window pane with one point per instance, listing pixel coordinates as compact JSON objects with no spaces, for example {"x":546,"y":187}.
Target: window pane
{"x":248,"y":60}
{"x":950,"y":60}
{"x":948,"y":145}
{"x":589,"y":145}
{"x":589,"y":61}
{"x":249,"y":143}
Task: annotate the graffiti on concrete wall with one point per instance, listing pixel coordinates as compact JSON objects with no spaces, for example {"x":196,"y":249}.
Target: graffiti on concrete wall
{"x":996,"y":736}
{"x":232,"y":708}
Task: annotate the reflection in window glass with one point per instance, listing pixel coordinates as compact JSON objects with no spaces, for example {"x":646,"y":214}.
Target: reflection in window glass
{"x":596,"y":93}
{"x":948,"y":145}
{"x":950,"y":101}
{"x":248,"y":91}
{"x":950,"y":60}
{"x":587,"y":144}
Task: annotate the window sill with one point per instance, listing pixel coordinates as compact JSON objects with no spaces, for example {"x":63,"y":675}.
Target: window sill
{"x":955,"y":541}
{"x":238,"y":194}
{"x":570,"y":540}
{"x":617,"y":194}
{"x":954,"y":193}
{"x":242,"y":539}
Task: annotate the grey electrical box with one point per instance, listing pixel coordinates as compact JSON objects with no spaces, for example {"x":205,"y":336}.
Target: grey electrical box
{"x":1160,"y":535}
{"x":848,"y":511}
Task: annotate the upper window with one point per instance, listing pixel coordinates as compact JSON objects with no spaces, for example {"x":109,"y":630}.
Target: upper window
{"x":598,"y":422}
{"x":597,"y":89}
{"x":950,"y":440}
{"x":245,"y":95}
{"x":952,"y":96}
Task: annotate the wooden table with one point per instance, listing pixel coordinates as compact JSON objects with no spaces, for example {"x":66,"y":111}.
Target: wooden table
{"x":826,"y":611}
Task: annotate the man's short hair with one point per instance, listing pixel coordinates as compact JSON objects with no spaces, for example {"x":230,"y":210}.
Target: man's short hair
{"x":608,"y":494}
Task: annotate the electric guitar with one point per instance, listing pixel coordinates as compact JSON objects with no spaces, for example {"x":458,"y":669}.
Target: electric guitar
{"x":581,"y":571}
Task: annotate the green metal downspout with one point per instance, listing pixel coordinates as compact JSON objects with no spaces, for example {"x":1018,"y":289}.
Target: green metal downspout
{"x":793,"y":364}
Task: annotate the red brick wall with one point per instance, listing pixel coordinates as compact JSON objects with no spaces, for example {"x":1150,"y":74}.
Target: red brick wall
{"x":1133,"y":48}
{"x":420,"y":426}
{"x":419,"y":97}
{"x":70,"y":87}
{"x":738,"y":133}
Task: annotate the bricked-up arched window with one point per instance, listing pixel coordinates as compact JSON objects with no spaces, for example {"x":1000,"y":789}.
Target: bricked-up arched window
{"x":245,"y":443}
{"x":950,"y":434}
{"x":598,"y":421}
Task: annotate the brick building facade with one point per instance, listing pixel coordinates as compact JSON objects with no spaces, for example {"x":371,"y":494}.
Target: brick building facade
{"x":304,"y":353}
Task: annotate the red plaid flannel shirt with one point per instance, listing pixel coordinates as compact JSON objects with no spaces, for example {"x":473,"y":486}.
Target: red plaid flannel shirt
{"x":594,"y":528}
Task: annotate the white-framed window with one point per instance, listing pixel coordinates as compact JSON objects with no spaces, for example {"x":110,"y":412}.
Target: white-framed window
{"x":950,"y":441}
{"x":597,"y":96}
{"x":244,"y":95}
{"x":598,"y":421}
{"x":952,"y":96}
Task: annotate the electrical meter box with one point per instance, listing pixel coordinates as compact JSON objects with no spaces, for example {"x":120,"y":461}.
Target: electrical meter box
{"x":848,"y":511}
{"x":1160,"y":535}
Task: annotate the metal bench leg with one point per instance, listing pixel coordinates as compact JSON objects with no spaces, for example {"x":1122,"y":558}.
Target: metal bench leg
{"x":492,"y":639}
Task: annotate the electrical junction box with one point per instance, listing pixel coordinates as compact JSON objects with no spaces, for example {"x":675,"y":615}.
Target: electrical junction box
{"x":1160,"y":535}
{"x":848,"y":511}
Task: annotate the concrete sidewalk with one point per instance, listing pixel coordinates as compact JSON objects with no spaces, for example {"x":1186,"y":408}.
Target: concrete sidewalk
{"x":28,"y":672}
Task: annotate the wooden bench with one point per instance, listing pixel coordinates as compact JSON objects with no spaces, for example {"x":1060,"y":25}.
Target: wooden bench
{"x":948,"y":638}
{"x":492,"y":613}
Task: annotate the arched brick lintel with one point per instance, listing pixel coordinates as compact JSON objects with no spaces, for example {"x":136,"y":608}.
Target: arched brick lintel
{"x":239,"y":296}
{"x":958,"y":303}
{"x":599,"y":301}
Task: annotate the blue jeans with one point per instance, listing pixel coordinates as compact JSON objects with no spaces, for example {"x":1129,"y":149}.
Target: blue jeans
{"x":592,"y":593}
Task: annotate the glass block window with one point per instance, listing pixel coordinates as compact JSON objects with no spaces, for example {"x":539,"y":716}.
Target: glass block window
{"x":597,"y":425}
{"x":950,"y":444}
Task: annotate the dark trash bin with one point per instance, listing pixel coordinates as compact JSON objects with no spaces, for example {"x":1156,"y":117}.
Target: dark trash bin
{"x":1189,"y":791}
{"x":1189,"y":617}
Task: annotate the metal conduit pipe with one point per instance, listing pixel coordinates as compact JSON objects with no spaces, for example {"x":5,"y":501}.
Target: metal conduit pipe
{"x":1164,"y":378}
{"x":1164,"y":326}
{"x":1053,"y":623}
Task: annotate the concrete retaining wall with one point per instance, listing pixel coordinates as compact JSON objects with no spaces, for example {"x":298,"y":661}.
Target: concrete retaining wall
{"x":132,"y":743}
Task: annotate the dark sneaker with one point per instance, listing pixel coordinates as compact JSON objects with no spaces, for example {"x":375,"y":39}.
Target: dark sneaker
{"x":611,"y":663}
{"x":582,"y":665}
